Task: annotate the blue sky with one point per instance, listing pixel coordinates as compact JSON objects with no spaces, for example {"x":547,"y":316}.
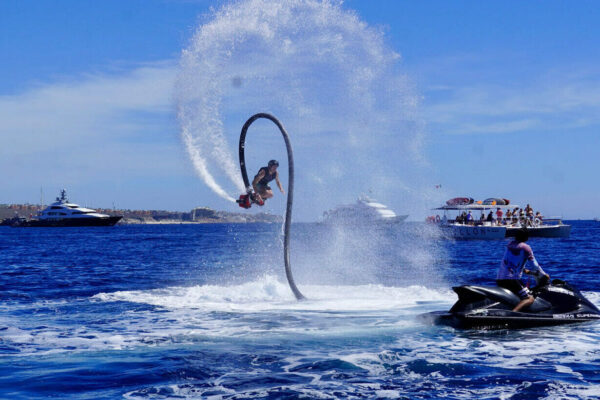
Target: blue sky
{"x":508,"y":99}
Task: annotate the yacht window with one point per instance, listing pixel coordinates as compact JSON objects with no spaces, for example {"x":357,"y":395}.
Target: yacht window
{"x":63,"y":213}
{"x":56,"y":208}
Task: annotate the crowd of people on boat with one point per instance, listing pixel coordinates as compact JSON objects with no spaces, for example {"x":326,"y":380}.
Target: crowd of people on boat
{"x":516,"y":216}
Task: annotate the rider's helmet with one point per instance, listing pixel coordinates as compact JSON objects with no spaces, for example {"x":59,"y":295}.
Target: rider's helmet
{"x":273,"y":162}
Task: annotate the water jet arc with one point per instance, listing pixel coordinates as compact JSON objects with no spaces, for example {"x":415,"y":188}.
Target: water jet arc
{"x":290,"y":196}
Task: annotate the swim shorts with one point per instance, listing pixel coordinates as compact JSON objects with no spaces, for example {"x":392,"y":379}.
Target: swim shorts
{"x":515,"y":286}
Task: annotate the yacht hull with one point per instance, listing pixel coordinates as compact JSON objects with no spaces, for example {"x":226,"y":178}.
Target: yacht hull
{"x":69,"y":222}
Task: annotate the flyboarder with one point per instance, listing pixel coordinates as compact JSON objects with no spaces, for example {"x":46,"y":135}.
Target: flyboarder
{"x":260,"y":184}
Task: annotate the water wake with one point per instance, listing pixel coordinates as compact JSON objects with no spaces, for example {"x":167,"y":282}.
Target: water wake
{"x":269,"y":294}
{"x":265,"y":310}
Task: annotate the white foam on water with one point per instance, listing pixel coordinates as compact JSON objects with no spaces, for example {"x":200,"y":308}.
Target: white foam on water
{"x":270,"y":294}
{"x":265,"y":312}
{"x":261,"y":309}
{"x":265,"y":309}
{"x":370,"y":310}
{"x":561,"y":390}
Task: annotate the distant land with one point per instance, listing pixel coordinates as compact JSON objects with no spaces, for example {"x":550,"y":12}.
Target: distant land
{"x":198,"y":215}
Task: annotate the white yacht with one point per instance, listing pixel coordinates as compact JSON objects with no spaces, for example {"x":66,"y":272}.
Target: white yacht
{"x":64,"y":213}
{"x":364,"y":211}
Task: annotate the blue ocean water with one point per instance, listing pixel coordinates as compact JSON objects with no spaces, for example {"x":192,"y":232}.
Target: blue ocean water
{"x":204,"y":311}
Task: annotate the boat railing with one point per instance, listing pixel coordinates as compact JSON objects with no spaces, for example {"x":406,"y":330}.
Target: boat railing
{"x":533,"y":222}
{"x":469,"y":223}
{"x":552,"y":221}
{"x":511,"y":222}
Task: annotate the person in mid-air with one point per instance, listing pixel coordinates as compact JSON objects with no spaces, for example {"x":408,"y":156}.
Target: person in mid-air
{"x":260,"y":184}
{"x":517,"y":254}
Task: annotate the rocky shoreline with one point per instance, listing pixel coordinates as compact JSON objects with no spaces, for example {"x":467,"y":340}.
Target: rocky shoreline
{"x":198,"y":215}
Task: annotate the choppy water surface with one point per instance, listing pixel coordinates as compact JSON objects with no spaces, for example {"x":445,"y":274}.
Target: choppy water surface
{"x":203,"y":311}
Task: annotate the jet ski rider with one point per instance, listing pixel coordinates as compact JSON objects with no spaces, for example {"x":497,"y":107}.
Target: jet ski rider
{"x":260,"y":184}
{"x":517,"y":254}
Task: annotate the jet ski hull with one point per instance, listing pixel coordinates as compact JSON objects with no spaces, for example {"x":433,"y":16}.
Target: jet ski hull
{"x":491,"y":307}
{"x":505,"y":320}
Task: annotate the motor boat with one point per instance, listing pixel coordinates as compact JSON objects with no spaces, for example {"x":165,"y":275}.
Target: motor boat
{"x":63,"y":213}
{"x":491,"y":307}
{"x":456,"y":228}
{"x":364,"y":211}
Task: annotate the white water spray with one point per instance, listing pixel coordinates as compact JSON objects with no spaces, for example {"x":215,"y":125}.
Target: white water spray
{"x":326,"y":74}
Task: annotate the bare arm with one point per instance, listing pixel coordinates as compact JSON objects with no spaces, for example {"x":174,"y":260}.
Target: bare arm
{"x":257,"y":178}
{"x":279,"y":183}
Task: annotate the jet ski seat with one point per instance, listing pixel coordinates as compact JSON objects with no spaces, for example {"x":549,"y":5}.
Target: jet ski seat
{"x":476,"y":296}
{"x":473,"y":297}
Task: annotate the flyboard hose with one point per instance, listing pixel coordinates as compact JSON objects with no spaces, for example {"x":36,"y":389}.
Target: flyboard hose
{"x":290,"y":197}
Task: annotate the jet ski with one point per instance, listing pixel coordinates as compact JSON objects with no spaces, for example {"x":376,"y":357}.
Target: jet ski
{"x":486,"y":307}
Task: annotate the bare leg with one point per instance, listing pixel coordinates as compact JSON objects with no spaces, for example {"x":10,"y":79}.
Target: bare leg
{"x":264,"y":195}
{"x":524,"y":303}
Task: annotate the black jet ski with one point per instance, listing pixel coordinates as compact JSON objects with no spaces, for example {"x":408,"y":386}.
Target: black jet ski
{"x":491,"y":307}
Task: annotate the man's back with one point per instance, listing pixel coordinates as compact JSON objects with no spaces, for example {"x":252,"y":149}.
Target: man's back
{"x":515,"y":257}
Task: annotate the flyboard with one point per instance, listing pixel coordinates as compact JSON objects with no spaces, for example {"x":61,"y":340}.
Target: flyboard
{"x":246,"y":200}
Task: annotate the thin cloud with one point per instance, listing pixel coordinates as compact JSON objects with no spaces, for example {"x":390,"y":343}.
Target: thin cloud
{"x":98,"y":127}
{"x":553,"y":102}
{"x":93,"y":107}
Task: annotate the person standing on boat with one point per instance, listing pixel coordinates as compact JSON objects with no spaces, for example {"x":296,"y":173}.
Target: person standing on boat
{"x":508,"y":217}
{"x":260,"y":184}
{"x":529,"y":211}
{"x":499,"y":216}
{"x":469,"y":218}
{"x":517,"y":254}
